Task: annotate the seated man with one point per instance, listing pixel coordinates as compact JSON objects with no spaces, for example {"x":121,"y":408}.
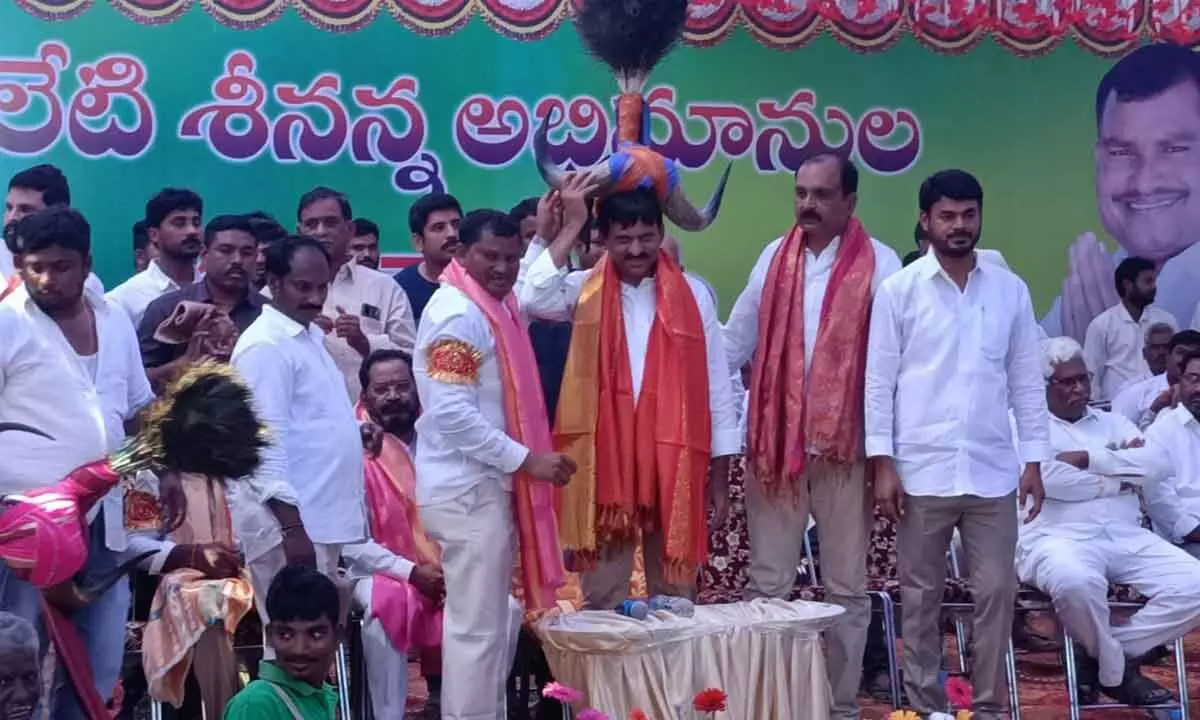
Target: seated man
{"x":1175,"y":507}
{"x":304,"y":630}
{"x":1143,"y":400}
{"x":1089,"y":535}
{"x":399,"y":584}
{"x":203,"y":594}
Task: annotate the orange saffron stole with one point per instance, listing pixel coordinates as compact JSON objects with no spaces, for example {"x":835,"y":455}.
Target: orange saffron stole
{"x":793,"y":414}
{"x":643,"y":465}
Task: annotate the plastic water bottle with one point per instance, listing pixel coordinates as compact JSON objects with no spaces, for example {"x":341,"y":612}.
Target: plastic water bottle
{"x":635,"y":609}
{"x":674,"y":605}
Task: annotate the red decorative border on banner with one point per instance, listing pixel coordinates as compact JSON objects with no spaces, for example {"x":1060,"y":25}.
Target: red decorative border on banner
{"x":1025,"y":27}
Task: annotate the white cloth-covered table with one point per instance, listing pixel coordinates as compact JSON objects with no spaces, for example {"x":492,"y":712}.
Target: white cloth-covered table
{"x":765,"y":654}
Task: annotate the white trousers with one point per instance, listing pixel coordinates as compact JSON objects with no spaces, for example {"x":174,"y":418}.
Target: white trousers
{"x":264,"y":569}
{"x":387,"y":668}
{"x":476,"y":534}
{"x":1076,"y":575}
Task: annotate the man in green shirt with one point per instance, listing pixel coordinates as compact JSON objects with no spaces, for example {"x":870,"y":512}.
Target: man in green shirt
{"x":304,"y":607}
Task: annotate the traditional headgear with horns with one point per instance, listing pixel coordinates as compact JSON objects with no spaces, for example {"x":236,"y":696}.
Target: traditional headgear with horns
{"x":631,"y":37}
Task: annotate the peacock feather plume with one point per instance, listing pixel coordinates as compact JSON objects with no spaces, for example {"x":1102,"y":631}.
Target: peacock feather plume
{"x":631,"y":36}
{"x":204,"y":424}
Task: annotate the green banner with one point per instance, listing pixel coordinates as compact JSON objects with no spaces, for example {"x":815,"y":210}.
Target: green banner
{"x":252,"y":118}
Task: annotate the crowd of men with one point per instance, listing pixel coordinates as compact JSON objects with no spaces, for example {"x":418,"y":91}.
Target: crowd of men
{"x":426,"y":426}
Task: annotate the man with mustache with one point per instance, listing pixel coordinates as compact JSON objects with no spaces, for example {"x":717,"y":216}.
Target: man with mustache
{"x":1116,"y":338}
{"x":1147,"y":159}
{"x":20,"y":668}
{"x":946,"y":460}
{"x":433,"y":221}
{"x":1141,"y":402}
{"x":399,"y":582}
{"x":230,"y":252}
{"x":174,"y":221}
{"x":364,"y":246}
{"x":1089,"y":535}
{"x":804,"y":448}
{"x":639,"y":320}
{"x":364,"y":310}
{"x":311,"y":477}
{"x":484,"y":463}
{"x":52,"y":249}
{"x":1175,"y":510}
{"x":36,"y":188}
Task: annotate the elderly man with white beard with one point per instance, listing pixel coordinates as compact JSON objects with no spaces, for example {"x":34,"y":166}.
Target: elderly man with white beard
{"x":1089,"y":535}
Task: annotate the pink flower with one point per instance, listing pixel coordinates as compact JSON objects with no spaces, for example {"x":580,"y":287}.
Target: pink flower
{"x":590,"y":714}
{"x":562,"y":693}
{"x":959,"y":692}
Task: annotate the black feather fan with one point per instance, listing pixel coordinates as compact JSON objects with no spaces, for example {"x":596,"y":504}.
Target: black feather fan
{"x":204,"y":424}
{"x":631,"y":36}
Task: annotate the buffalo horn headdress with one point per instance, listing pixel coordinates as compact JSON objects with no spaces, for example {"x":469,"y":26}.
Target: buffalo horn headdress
{"x":631,"y":37}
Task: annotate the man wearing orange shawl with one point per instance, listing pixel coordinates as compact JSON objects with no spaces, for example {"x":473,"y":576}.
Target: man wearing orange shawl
{"x":647,"y":414}
{"x":803,"y":320}
{"x":485,"y":467}
{"x":398,"y":581}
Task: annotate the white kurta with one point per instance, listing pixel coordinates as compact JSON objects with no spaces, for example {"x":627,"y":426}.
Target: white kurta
{"x":1089,"y":535}
{"x":944,"y":366}
{"x":113,"y":377}
{"x":1175,"y":507}
{"x":1134,"y":401}
{"x":465,"y":461}
{"x":1113,"y":346}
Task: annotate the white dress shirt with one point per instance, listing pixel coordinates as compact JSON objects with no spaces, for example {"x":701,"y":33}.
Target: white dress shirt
{"x":384,"y":313}
{"x":314,"y":460}
{"x":741,"y":330}
{"x":551,"y":293}
{"x":461,"y":434}
{"x":1134,"y":400}
{"x":370,"y":557}
{"x":39,"y":388}
{"x":1175,"y":508}
{"x":114,"y":377}
{"x":139,"y":291}
{"x":943,"y":367}
{"x":1081,"y":504}
{"x":1113,"y":346}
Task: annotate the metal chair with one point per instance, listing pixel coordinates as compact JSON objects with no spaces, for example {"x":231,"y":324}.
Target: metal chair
{"x":1075,"y":708}
{"x":887,"y":609}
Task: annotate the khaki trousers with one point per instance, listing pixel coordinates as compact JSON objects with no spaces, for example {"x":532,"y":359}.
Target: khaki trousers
{"x":606,"y":585}
{"x":988,"y":527}
{"x":475,"y":531}
{"x":841,"y":507}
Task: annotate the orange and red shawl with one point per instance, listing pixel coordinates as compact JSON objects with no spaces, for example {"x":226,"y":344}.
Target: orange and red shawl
{"x":187,"y":603}
{"x":794,"y":415}
{"x":43,"y":540}
{"x":541,"y":562}
{"x":410,"y":619}
{"x":644,"y":464}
